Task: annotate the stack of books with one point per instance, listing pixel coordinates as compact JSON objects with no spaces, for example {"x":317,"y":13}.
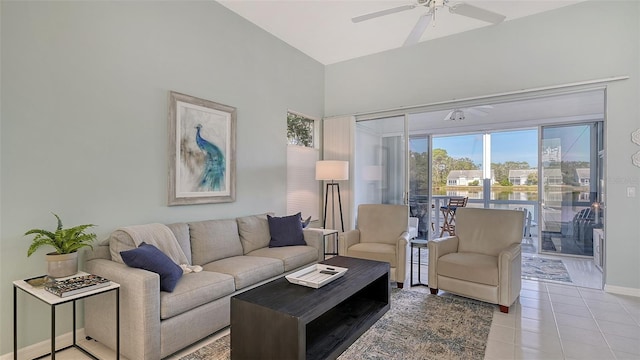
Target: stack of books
{"x":76,"y":285}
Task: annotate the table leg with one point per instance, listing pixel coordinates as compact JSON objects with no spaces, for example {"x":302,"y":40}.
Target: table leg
{"x":53,"y":332}
{"x":74,"y":323}
{"x":411,"y":265}
{"x":419,"y":267}
{"x":118,"y":323}
{"x":15,"y":323}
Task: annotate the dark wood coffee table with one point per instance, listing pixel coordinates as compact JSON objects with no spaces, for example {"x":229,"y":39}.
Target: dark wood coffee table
{"x":280,"y":320}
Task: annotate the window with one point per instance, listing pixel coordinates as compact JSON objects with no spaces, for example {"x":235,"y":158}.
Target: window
{"x":300,"y":130}
{"x":303,"y":190}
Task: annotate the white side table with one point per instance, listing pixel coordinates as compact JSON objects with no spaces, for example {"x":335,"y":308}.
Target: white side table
{"x":419,"y":244}
{"x":53,"y":301}
{"x":326,"y":233}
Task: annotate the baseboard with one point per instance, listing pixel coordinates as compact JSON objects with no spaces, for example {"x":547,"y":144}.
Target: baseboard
{"x":622,"y":290}
{"x":44,"y":347}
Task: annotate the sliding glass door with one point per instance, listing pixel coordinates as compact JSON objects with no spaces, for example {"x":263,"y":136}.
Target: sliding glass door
{"x":380,"y":161}
{"x":570,"y":208}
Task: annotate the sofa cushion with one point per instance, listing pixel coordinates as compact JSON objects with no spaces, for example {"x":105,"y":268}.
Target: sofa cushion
{"x":254,"y":232}
{"x":478,"y":268}
{"x":286,"y":230}
{"x":193,"y":290}
{"x":247,"y":270}
{"x":292,"y":256}
{"x":150,"y":258}
{"x":212,"y":240}
{"x":375,"y":251}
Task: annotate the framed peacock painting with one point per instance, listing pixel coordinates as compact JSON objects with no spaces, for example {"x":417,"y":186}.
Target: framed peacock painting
{"x":202,"y":140}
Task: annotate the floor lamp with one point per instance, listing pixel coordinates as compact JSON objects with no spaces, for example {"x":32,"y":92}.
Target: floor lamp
{"x":332,"y":170}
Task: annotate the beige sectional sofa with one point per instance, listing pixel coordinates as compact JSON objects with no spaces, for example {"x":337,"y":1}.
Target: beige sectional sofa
{"x":234,"y":256}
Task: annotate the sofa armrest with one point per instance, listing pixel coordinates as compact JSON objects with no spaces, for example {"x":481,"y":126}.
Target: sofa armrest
{"x":438,"y":248}
{"x":313,"y":237}
{"x":139,"y":310}
{"x":347,"y":239}
{"x":100,"y":251}
{"x":509,"y":274}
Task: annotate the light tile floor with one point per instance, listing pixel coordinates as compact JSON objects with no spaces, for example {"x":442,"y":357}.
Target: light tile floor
{"x":554,"y":321}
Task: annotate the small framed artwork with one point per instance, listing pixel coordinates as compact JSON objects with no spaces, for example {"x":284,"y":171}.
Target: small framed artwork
{"x":202,"y":140}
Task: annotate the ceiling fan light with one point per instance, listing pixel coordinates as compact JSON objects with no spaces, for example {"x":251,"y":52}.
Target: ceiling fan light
{"x":457,"y":115}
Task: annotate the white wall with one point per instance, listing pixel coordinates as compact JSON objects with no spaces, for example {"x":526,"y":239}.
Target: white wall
{"x":84,"y":120}
{"x":586,"y":41}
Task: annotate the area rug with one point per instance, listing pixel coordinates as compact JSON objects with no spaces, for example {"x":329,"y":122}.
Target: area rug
{"x":544,"y":269}
{"x":418,"y":326}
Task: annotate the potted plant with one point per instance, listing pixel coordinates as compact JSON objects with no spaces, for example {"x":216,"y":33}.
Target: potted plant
{"x":66,"y":242}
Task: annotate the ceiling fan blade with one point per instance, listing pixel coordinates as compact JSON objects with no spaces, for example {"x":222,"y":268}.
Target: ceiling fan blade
{"x":382,"y":13}
{"x":448,"y":117}
{"x":476,"y":13}
{"x":418,"y":30}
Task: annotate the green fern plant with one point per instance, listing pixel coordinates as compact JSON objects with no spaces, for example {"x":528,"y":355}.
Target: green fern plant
{"x":65,"y":241}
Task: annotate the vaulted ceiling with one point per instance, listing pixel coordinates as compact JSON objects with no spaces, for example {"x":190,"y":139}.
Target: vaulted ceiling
{"x":323,"y":29}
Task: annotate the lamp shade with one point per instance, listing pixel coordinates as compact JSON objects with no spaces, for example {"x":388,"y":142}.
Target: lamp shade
{"x":332,"y":170}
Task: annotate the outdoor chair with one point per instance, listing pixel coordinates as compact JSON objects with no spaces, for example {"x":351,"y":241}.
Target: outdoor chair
{"x":380,"y":234}
{"x":483,"y":260}
{"x":449,"y":214}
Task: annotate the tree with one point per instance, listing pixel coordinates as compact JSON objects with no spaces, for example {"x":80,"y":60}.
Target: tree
{"x":441,"y":165}
{"x":419,"y":174}
{"x":501,"y":170}
{"x":532,"y":179}
{"x":463,"y":164}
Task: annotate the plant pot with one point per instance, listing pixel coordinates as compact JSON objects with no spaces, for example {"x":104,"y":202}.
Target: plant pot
{"x":62,"y":265}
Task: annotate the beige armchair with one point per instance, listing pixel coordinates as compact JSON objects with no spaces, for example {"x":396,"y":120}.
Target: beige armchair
{"x":380,"y":234}
{"x":483,"y":260}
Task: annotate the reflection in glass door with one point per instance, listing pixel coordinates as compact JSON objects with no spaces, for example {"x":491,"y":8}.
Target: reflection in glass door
{"x":569,"y":173}
{"x":380,"y":161}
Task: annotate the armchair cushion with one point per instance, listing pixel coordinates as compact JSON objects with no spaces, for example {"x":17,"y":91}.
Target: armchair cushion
{"x":382,"y":223}
{"x":477,"y":268}
{"x":375,"y":251}
{"x":485,"y":233}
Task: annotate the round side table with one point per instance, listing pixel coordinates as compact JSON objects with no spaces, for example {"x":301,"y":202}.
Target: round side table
{"x":419,"y":244}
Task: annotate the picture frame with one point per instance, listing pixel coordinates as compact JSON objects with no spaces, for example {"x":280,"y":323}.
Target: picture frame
{"x":202,"y":154}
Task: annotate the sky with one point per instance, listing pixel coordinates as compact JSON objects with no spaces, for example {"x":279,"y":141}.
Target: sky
{"x":520,"y":145}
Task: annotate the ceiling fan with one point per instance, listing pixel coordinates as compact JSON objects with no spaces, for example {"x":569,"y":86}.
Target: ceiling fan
{"x":460,"y":114}
{"x":432,"y":7}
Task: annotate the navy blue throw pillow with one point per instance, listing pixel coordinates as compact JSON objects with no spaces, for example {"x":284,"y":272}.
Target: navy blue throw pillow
{"x":149,"y":257}
{"x":286,"y":230}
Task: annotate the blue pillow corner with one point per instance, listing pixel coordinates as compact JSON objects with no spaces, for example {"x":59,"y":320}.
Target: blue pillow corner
{"x":149,"y":257}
